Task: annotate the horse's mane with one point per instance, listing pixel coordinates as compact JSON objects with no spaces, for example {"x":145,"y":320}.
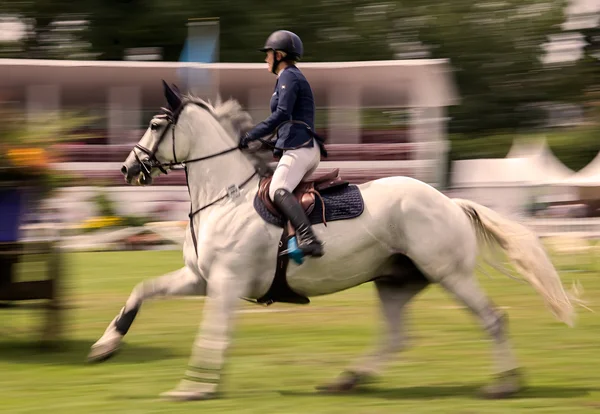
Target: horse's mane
{"x":236,"y":121}
{"x":229,"y":113}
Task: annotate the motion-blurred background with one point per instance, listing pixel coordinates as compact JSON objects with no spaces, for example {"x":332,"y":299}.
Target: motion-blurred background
{"x":495,"y":101}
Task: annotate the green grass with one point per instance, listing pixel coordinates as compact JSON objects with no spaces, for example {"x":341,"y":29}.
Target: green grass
{"x":277,"y":358}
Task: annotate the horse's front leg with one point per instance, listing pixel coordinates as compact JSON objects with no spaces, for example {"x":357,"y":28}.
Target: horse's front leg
{"x":203,"y":375}
{"x":182,"y":282}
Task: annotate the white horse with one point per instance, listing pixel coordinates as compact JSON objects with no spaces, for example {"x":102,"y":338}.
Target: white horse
{"x":409,"y":235}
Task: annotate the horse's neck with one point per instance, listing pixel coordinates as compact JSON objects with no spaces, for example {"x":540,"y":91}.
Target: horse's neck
{"x":209,"y":179}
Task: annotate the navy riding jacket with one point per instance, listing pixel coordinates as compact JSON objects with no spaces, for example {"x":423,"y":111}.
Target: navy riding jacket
{"x":292,"y":99}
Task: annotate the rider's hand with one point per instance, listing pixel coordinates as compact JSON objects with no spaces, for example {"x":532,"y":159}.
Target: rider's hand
{"x":244,"y":140}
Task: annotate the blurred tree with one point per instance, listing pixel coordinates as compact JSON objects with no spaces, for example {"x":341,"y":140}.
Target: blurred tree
{"x":117,"y":25}
{"x":591,"y":62}
{"x":40,"y":18}
{"x":496,"y":50}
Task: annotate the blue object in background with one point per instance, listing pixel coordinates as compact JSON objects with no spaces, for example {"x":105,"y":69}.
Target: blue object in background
{"x":201,"y":46}
{"x":199,"y":49}
{"x":12,"y":209}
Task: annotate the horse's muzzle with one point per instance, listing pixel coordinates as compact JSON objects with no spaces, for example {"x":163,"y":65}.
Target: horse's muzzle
{"x":135,"y":174}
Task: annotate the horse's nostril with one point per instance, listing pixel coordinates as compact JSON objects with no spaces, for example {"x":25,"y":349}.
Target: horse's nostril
{"x":124,"y":170}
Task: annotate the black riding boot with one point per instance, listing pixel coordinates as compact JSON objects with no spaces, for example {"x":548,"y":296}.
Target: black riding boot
{"x":291,"y":208}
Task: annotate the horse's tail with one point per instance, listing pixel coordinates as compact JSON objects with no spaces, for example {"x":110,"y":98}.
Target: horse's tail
{"x":527,"y":254}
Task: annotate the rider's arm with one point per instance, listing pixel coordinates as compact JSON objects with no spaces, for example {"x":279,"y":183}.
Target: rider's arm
{"x":287,"y":89}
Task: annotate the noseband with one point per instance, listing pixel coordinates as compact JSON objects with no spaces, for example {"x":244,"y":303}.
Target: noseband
{"x":152,"y":162}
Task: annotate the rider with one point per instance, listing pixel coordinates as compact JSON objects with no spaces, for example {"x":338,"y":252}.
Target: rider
{"x":292,"y":117}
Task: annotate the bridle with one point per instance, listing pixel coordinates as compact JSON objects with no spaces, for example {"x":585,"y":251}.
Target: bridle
{"x":152,"y":162}
{"x":172,"y":118}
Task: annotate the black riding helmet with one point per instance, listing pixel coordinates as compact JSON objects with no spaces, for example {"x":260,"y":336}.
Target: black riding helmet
{"x":284,"y":41}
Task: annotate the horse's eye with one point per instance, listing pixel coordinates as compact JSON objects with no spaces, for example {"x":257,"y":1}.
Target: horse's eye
{"x":153,"y":127}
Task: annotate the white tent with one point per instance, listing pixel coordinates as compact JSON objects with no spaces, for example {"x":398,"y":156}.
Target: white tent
{"x":545,"y":168}
{"x":528,"y":163}
{"x":585,"y":182}
{"x":511,"y":184}
{"x":502,"y":184}
{"x":491,"y":172}
{"x":589,"y":176}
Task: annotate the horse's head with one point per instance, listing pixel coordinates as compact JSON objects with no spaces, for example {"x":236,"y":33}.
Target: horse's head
{"x":188,"y":127}
{"x":157,"y":151}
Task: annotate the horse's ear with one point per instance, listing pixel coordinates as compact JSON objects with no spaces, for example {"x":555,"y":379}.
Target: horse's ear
{"x":172,"y":96}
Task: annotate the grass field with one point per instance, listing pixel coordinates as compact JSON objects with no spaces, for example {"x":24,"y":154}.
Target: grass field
{"x":278,"y":357}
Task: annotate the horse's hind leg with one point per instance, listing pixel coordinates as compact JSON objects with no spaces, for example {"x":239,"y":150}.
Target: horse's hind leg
{"x":182,"y":282}
{"x":466,"y":289}
{"x":393,"y":298}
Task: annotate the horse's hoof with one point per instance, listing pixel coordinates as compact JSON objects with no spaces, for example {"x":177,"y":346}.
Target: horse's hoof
{"x":188,"y":390}
{"x":100,"y":352}
{"x":507,"y":385}
{"x":188,"y":395}
{"x":346,"y":382}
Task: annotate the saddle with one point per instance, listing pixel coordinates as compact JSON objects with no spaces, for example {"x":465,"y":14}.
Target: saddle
{"x":343,"y":201}
{"x":306,"y":192}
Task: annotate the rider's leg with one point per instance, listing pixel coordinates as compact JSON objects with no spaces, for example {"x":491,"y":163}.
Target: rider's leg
{"x":291,"y":169}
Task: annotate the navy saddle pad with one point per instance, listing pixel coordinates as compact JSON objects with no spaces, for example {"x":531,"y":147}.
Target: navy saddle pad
{"x":341,"y":203}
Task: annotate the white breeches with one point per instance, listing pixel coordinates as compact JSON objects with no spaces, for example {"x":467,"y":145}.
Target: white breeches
{"x":293,"y":167}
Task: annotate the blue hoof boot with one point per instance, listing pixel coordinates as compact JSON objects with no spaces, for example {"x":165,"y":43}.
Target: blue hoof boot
{"x":294,"y":252}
